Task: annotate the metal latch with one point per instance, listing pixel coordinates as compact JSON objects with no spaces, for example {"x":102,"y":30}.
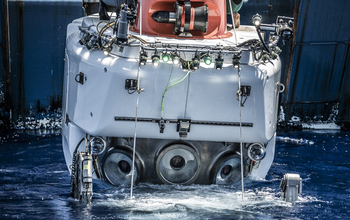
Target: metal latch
{"x":183,"y":127}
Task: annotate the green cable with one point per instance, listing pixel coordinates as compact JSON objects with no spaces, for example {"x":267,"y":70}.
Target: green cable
{"x":188,"y":72}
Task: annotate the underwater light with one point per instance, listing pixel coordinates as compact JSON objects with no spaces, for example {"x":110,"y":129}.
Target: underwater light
{"x":219,"y":61}
{"x":256,"y":152}
{"x":155,"y":60}
{"x":236,"y":60}
{"x":175,"y":58}
{"x":257,"y":20}
{"x":165,"y":57}
{"x":143,"y":58}
{"x":97,"y":144}
{"x":195,"y":62}
{"x":207,"y":59}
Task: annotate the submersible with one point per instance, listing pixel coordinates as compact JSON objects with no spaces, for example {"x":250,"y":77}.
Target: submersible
{"x":164,"y":93}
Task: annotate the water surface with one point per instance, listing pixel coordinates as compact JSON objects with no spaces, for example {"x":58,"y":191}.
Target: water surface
{"x":34,"y":184}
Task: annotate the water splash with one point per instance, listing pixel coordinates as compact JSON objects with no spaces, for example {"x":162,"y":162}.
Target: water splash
{"x":186,"y":202}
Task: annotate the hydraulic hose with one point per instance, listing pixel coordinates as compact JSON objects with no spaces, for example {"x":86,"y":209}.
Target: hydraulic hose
{"x":188,"y":72}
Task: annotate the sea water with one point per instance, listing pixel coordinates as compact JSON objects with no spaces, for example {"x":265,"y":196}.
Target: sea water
{"x":35,"y":184}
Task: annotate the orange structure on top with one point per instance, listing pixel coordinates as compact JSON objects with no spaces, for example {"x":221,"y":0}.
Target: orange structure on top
{"x":216,"y":18}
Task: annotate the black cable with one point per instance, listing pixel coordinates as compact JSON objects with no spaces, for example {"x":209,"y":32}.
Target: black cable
{"x":248,"y":42}
{"x":262,"y":41}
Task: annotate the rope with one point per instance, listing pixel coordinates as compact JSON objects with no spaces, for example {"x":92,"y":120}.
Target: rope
{"x":240,"y":128}
{"x":134,"y":145}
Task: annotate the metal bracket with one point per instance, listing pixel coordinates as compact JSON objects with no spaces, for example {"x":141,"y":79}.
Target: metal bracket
{"x":245,"y":92}
{"x":187,"y":23}
{"x":131,"y":84}
{"x":161,"y":125}
{"x":183,"y":127}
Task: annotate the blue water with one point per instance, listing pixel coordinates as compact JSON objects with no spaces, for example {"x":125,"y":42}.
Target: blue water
{"x":34,"y":184}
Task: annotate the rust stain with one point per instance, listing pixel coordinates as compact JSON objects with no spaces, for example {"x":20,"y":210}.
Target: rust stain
{"x":295,"y":16}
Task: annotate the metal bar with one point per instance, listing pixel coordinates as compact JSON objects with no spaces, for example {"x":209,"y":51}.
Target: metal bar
{"x":193,"y":122}
{"x":192,"y":49}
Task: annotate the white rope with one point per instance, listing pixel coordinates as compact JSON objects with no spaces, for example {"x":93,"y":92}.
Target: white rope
{"x":137,"y":105}
{"x":240,"y":128}
{"x":134,"y":145}
{"x":233,"y":22}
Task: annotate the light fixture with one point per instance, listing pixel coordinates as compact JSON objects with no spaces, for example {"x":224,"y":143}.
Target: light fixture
{"x":285,"y":32}
{"x":207,"y":59}
{"x":257,"y":20}
{"x":175,"y":58}
{"x":219,"y":61}
{"x":107,"y":50}
{"x":236,"y":60}
{"x":256,"y":152}
{"x":195,"y":62}
{"x":155,"y":60}
{"x":165,"y":57}
{"x":143,"y":58}
{"x":97,"y":144}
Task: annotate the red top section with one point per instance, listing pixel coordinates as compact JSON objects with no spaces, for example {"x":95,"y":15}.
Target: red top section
{"x":216,"y":19}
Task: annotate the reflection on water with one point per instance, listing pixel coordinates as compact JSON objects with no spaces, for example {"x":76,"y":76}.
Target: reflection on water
{"x":34,"y":184}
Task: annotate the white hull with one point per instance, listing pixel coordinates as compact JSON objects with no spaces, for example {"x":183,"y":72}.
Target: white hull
{"x":101,"y":106}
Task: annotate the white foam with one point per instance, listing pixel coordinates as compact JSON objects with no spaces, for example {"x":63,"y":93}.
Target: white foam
{"x":299,"y":141}
{"x":321,"y":126}
{"x":174,"y":202}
